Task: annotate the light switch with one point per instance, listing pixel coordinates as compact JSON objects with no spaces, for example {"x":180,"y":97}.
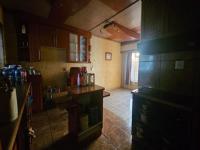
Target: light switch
{"x":179,"y":65}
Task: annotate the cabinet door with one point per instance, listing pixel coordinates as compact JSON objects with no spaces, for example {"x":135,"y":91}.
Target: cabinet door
{"x":73,"y":55}
{"x":34,"y":46}
{"x":47,"y":36}
{"x":83,"y":48}
{"x":36,"y":82}
{"x":78,"y":48}
{"x":62,"y":38}
{"x":154,"y":25}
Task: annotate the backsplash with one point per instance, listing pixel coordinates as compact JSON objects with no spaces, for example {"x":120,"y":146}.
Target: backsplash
{"x":53,"y":73}
{"x":176,"y":72}
{"x":53,"y":66}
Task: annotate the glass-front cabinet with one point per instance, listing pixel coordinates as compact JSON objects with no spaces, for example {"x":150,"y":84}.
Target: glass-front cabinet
{"x":83,"y":48}
{"x":73,"y":47}
{"x":78,"y":48}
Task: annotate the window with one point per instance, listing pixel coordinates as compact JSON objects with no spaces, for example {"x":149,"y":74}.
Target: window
{"x":134,"y":67}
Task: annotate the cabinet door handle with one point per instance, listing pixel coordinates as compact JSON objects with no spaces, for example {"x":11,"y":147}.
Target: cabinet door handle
{"x":39,"y":55}
{"x":54,"y":41}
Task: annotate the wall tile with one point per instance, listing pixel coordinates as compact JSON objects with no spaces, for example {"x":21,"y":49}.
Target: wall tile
{"x":177,"y":81}
{"x":148,"y":74}
{"x":158,"y":71}
{"x":187,"y":55}
{"x":149,"y":57}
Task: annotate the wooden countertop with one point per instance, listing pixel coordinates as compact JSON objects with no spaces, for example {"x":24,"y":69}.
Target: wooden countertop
{"x":8,"y":131}
{"x":85,"y":89}
{"x":173,"y":100}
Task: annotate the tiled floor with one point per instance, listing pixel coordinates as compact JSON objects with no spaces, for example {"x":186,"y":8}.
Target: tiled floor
{"x":51,"y":125}
{"x":120,"y":104}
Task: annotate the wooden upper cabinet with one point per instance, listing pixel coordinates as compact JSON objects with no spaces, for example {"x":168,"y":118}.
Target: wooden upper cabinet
{"x":47,"y":36}
{"x":28,"y":42}
{"x":53,"y":37}
{"x":162,"y":18}
{"x":34,"y":45}
{"x":62,"y":38}
{"x":154,"y":25}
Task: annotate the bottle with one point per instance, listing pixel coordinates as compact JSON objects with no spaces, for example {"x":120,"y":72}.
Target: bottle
{"x":78,"y":80}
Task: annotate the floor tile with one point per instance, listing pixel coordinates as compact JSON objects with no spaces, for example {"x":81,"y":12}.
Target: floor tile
{"x":52,"y":125}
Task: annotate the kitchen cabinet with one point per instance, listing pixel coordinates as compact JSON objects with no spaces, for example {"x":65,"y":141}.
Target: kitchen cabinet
{"x":47,"y":36}
{"x":36,"y":83}
{"x":83,"y":48}
{"x":53,"y":37}
{"x":36,"y":35}
{"x":161,"y":18}
{"x":85,"y":112}
{"x":78,"y":48}
{"x":22,"y":42}
{"x":27,"y":42}
{"x":34,"y":45}
{"x":62,"y":38}
{"x":161,"y":123}
{"x":73,"y":48}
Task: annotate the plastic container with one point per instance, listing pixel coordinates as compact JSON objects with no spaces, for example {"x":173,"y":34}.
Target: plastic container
{"x":84,"y":122}
{"x":8,"y":106}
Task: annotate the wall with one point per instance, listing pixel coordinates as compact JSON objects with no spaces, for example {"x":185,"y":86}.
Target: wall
{"x":127,"y":46}
{"x":107,"y":73}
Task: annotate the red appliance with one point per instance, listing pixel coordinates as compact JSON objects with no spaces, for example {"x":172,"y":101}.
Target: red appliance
{"x":74,"y":74}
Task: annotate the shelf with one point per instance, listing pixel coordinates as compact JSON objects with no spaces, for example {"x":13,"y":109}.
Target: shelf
{"x":97,"y":127}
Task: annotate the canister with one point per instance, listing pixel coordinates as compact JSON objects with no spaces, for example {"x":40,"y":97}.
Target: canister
{"x":84,"y":122}
{"x":8,"y":106}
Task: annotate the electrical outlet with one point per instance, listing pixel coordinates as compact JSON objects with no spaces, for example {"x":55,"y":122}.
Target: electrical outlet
{"x":179,"y":65}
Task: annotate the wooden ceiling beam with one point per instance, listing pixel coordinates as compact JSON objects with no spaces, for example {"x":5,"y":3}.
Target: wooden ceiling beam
{"x":127,"y":31}
{"x":62,"y":9}
{"x":120,"y":32}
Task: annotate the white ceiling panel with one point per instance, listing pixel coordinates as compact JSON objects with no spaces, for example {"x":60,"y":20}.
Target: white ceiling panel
{"x":91,"y":15}
{"x":131,"y":17}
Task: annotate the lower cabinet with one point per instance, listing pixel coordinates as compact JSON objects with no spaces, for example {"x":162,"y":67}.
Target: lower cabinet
{"x":23,"y":140}
{"x":157,"y":126}
{"x":86,"y":116}
{"x":36,"y":83}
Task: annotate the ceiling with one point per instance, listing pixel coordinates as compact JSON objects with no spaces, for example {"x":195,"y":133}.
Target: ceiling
{"x":85,"y":14}
{"x":36,"y":7}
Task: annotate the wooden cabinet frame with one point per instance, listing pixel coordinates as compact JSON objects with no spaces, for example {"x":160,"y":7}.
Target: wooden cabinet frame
{"x":87,"y":50}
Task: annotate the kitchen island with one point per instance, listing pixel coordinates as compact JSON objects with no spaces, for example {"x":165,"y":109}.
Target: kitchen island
{"x":85,"y":112}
